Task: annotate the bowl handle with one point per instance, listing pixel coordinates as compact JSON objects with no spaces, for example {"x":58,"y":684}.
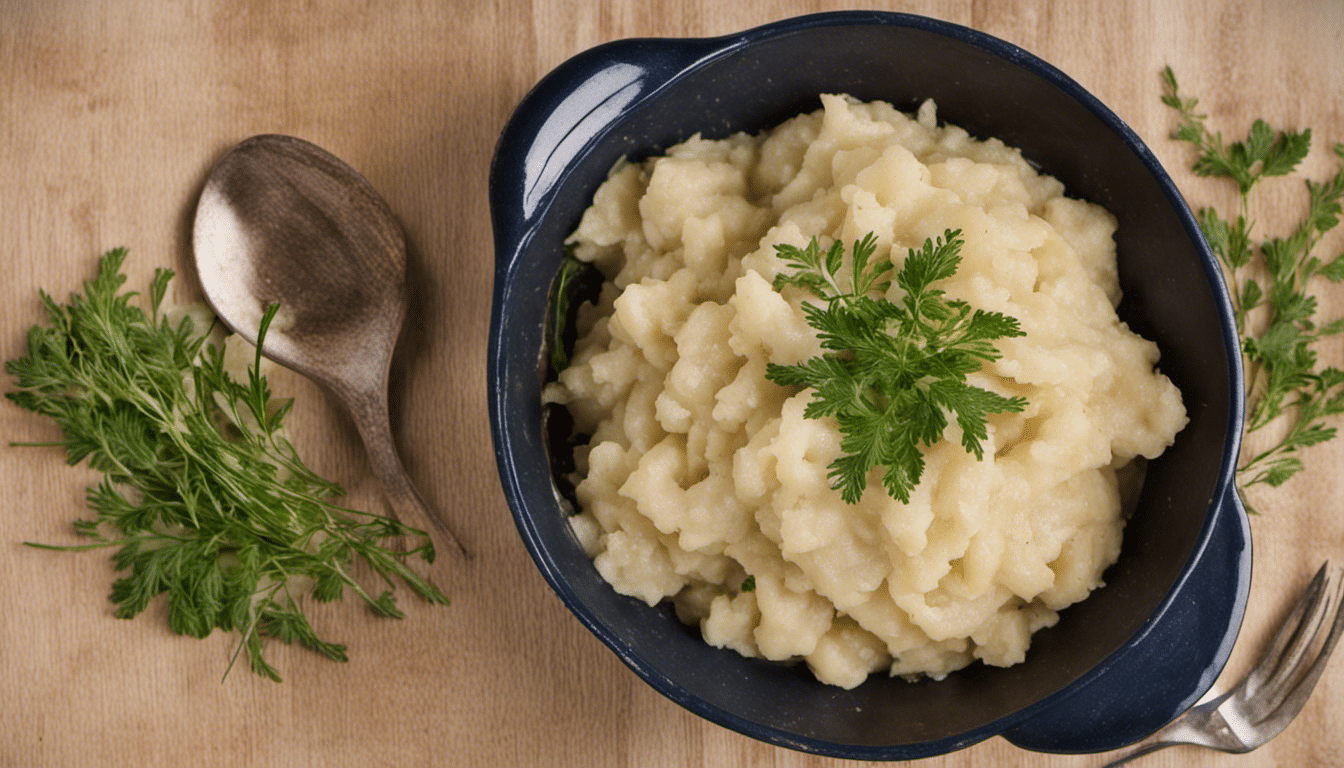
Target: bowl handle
{"x":566,"y":111}
{"x":1170,"y":668}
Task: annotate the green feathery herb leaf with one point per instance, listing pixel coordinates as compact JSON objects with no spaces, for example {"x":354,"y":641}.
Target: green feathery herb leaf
{"x":203,"y":497}
{"x":575,"y":282}
{"x":895,"y":370}
{"x":1273,"y":279}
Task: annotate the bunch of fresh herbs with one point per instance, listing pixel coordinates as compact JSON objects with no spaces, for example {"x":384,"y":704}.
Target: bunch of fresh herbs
{"x":1271,"y":283}
{"x":203,"y":497}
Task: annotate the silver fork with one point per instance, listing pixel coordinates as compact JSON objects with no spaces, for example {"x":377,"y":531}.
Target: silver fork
{"x":1263,"y":704}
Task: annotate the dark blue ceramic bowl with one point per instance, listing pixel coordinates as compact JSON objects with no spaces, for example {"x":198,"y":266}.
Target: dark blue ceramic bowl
{"x":1116,"y":666}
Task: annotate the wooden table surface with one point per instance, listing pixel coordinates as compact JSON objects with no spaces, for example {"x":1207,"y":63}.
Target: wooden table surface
{"x":112,"y":111}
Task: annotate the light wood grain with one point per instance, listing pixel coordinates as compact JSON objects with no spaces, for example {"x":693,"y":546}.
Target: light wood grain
{"x":110,"y":115}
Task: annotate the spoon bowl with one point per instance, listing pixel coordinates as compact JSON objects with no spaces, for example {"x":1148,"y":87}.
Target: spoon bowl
{"x":282,"y":221}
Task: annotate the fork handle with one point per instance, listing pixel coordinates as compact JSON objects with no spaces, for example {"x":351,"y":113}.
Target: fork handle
{"x":1201,"y":725}
{"x":1178,"y":731}
{"x":1140,"y":751}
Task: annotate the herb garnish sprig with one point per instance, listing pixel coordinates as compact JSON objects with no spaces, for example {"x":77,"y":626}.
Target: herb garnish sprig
{"x":203,"y":496}
{"x":1270,"y":287}
{"x":894,"y":370}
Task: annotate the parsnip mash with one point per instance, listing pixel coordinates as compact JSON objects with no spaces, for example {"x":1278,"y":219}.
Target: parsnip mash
{"x":704,"y":484}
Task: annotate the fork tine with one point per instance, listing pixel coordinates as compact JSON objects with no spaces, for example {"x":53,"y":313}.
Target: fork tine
{"x":1295,"y":673}
{"x":1302,"y":688}
{"x":1273,"y":663}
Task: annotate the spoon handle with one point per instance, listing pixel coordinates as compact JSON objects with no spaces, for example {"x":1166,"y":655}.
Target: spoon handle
{"x":370,"y":413}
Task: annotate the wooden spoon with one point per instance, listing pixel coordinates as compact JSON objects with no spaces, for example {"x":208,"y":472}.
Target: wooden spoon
{"x":282,"y":220}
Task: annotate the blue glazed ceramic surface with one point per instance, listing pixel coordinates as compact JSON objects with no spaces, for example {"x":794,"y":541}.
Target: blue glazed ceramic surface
{"x":1117,"y":666}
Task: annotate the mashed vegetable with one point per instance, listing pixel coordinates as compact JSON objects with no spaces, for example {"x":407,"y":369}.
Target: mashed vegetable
{"x":702,"y":482}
